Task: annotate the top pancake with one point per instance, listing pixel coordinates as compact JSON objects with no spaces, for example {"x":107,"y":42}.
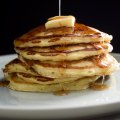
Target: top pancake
{"x":80,"y":33}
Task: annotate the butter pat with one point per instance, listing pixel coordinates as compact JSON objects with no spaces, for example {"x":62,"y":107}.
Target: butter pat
{"x":60,"y":21}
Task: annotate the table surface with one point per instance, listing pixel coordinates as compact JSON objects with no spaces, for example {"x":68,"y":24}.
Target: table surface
{"x":111,"y":116}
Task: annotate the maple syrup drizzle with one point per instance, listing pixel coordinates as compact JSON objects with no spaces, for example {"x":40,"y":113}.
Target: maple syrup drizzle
{"x":59,"y":7}
{"x":61,"y":92}
{"x":100,"y":83}
{"x":98,"y":61}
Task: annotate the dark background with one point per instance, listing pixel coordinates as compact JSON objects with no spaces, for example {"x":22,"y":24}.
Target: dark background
{"x":19,"y":16}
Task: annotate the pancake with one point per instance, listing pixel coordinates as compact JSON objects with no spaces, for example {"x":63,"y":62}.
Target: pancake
{"x":60,"y":53}
{"x":40,"y":37}
{"x":20,"y":85}
{"x":39,"y":79}
{"x":17,"y":66}
{"x":98,"y":65}
{"x":44,"y":80}
{"x":21,"y":70}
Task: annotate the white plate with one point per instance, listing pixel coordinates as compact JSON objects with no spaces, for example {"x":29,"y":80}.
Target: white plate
{"x":46,"y":105}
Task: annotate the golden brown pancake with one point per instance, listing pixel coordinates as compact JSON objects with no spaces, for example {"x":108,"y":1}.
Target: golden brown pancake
{"x":17,"y":66}
{"x":60,"y":53}
{"x":25,"y":72}
{"x":39,"y":79}
{"x":61,"y":36}
{"x":98,"y":65}
{"x":20,"y":85}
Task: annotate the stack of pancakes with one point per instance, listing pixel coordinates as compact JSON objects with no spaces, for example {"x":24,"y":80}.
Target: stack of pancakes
{"x":63,"y":58}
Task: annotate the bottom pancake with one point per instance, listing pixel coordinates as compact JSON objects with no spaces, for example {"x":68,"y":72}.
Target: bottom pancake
{"x":20,"y":85}
{"x":38,"y":79}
